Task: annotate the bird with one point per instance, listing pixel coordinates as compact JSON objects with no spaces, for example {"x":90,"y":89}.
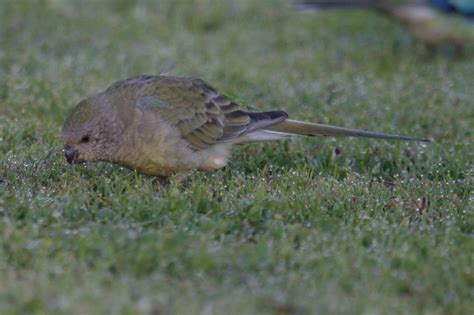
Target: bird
{"x":164,"y":125}
{"x":425,"y":24}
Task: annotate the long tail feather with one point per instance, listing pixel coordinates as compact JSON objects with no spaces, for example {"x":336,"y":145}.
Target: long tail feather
{"x":296,"y":127}
{"x":261,"y":136}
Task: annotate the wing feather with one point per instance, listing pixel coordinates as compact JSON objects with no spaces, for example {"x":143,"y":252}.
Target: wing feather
{"x":203,"y":116}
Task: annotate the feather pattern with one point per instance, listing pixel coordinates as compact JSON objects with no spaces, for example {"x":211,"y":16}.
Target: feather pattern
{"x":202,"y":115}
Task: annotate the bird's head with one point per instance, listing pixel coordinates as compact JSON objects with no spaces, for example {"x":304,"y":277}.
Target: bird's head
{"x":90,"y":132}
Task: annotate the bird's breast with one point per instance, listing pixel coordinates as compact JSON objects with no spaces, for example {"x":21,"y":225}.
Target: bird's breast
{"x":153,"y":146}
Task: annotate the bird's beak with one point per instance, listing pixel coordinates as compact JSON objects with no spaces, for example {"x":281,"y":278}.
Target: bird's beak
{"x":71,"y":154}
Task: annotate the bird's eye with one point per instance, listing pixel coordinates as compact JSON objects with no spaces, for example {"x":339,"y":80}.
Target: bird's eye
{"x":85,"y":139}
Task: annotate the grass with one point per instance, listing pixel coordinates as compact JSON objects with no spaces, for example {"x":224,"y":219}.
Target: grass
{"x":307,"y":226}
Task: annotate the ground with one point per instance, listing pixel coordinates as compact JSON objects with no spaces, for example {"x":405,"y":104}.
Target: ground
{"x":304,"y":226}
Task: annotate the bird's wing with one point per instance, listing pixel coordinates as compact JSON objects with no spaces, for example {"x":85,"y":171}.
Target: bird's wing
{"x":203,"y":116}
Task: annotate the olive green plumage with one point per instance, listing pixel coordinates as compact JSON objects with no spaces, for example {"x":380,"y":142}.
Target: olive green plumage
{"x":162,"y":125}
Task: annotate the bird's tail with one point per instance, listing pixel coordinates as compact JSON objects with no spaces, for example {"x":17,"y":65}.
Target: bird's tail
{"x":294,"y":127}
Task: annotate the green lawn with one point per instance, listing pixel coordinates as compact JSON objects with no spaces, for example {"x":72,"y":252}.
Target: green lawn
{"x":307,"y":226}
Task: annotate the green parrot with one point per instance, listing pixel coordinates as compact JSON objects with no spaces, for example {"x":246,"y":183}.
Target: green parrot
{"x":165,"y":125}
{"x":426,"y":25}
